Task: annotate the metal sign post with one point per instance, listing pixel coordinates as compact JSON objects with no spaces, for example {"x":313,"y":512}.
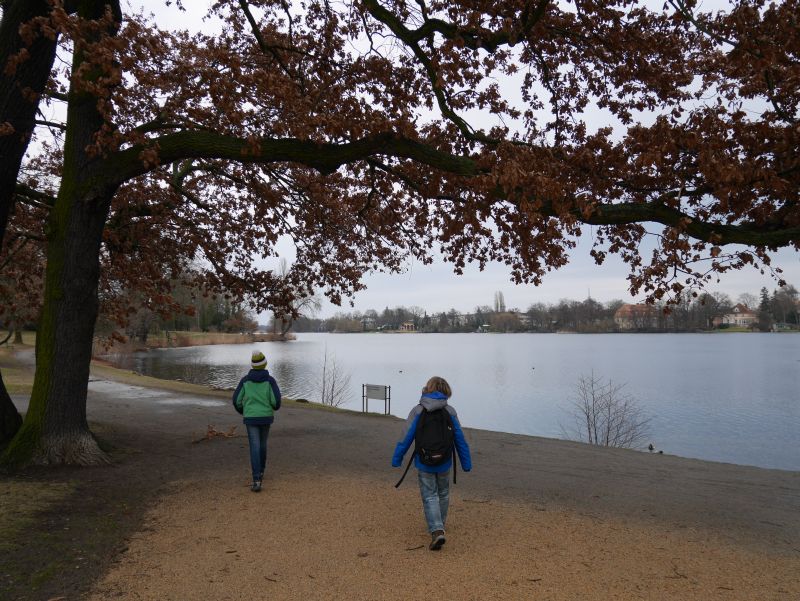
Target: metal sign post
{"x":376,"y":391}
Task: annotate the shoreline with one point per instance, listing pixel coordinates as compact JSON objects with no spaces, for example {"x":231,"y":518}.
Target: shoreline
{"x":106,"y":369}
{"x":537,"y":517}
{"x":633,"y":332}
{"x":129,"y":377}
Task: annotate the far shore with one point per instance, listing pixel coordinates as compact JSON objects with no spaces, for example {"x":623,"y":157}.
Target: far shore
{"x":593,"y":332}
{"x":180,"y":339}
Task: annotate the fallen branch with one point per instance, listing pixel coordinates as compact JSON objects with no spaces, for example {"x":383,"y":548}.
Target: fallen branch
{"x":212,"y":432}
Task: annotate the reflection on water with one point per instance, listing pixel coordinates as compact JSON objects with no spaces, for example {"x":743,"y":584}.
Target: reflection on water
{"x":731,"y":397}
{"x":294,"y":365}
{"x":298,"y":382}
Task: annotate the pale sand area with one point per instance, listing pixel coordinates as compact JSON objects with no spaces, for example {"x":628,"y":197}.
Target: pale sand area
{"x":354,"y":538}
{"x":536,"y":519}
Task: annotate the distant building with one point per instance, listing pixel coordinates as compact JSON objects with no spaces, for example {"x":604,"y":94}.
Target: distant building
{"x":464,"y":319}
{"x":408,"y":326}
{"x":741,"y":315}
{"x":636,"y":317}
{"x":524,"y":318}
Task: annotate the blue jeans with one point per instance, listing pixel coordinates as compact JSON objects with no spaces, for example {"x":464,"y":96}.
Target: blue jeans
{"x":435,"y":491}
{"x":257,"y":437}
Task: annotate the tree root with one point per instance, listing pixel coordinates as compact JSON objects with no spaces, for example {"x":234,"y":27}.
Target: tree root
{"x":78,"y":449}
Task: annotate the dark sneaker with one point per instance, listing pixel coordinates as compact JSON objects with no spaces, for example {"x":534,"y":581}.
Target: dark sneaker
{"x":437,"y":540}
{"x":256,"y":486}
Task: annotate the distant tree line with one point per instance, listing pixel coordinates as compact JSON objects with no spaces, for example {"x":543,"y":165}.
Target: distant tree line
{"x":188,"y":307}
{"x":779,"y":308}
{"x":126,"y":312}
{"x":693,"y":313}
{"x":213,"y":313}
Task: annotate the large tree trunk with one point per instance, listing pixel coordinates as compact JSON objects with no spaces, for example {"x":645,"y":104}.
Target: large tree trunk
{"x":16,"y":108}
{"x":55,"y":430}
{"x":10,"y":419}
{"x":19,"y":112}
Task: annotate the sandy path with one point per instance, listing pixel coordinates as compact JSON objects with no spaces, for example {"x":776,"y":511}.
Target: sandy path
{"x":317,"y":537}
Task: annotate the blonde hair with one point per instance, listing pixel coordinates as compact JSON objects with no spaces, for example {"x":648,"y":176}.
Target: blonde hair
{"x":437,"y":384}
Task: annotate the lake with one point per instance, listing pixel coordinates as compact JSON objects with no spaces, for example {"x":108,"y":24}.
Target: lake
{"x":722,"y":397}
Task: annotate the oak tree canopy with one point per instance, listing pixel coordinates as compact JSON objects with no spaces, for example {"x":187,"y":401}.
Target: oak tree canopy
{"x":371,"y":131}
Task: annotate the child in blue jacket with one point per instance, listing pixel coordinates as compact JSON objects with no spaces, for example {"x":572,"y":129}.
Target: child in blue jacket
{"x":434,"y":481}
{"x":257,"y":398}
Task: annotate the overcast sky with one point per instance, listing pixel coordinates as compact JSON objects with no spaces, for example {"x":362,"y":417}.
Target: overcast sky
{"x":436,"y":288}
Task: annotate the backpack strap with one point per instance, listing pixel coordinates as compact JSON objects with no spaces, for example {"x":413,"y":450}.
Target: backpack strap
{"x":422,"y":415}
{"x":455,"y":463}
{"x":408,"y":466}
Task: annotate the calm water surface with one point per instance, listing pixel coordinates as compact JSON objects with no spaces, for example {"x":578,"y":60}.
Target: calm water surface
{"x":725,"y":397}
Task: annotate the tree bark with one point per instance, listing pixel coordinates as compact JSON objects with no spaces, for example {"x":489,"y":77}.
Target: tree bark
{"x":10,"y":419}
{"x":16,"y":108}
{"x":55,"y":429}
{"x":19,"y":112}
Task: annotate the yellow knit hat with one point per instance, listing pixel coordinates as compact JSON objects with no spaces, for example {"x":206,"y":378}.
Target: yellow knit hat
{"x":258,"y":360}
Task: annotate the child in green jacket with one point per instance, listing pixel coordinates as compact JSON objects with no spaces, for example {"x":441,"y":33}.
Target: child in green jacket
{"x":257,"y":397}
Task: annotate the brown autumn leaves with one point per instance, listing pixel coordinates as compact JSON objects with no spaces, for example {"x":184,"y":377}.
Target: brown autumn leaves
{"x":469,"y":127}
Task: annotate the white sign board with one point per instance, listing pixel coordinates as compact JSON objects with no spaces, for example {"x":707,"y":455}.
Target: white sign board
{"x":374,"y":391}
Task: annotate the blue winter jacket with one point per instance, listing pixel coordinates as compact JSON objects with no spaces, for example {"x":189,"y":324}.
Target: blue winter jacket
{"x":254,"y":385}
{"x":431,"y":402}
